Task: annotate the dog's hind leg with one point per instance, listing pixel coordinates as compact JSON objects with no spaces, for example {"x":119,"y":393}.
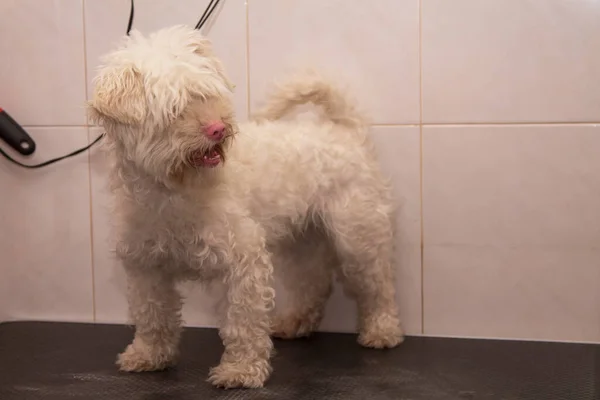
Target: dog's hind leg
{"x":305,"y":266}
{"x":361,"y":225}
{"x":155,"y":308}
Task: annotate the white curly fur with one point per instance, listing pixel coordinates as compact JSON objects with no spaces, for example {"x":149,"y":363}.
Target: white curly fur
{"x":308,"y":198}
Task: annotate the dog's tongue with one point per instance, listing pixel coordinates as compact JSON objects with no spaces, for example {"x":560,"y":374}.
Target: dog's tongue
{"x":208,"y":159}
{"x":212,"y":154}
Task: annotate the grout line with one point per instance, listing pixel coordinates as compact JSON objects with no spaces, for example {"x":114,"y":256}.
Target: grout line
{"x":421,"y":166}
{"x":461,"y":124}
{"x":247,"y":61}
{"x":433,"y":125}
{"x":56,"y":126}
{"x":85,"y":74}
{"x":91,"y":229}
{"x":85,"y":69}
{"x":396,"y":125}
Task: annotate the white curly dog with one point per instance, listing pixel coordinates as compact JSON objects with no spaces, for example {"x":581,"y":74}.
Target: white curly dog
{"x":200,"y":197}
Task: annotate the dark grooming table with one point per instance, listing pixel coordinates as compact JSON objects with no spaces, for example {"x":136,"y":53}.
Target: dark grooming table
{"x":58,"y":361}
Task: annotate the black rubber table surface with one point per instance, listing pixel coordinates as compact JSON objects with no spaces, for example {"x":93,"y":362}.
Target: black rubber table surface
{"x":76,"y":361}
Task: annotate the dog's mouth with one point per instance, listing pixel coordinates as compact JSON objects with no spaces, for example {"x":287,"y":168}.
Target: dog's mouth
{"x":207,"y":158}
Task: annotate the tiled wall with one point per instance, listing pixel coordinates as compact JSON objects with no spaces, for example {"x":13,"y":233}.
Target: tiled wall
{"x":485,"y":112}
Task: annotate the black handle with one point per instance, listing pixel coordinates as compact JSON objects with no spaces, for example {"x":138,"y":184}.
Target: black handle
{"x":13,"y":134}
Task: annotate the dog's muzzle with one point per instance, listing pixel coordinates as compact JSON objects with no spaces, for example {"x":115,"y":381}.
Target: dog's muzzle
{"x":207,"y":158}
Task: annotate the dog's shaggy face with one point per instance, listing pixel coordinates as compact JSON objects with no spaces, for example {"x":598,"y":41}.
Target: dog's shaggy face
{"x":165,"y":103}
{"x":203,"y":131}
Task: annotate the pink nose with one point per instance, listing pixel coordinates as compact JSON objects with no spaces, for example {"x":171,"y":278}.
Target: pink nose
{"x":215,"y":130}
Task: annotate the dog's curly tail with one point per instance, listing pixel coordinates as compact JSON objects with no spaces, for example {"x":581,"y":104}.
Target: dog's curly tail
{"x":310,"y":87}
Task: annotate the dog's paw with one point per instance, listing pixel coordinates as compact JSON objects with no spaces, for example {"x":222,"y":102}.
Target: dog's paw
{"x":138,"y":358}
{"x":383,"y":332}
{"x":292,"y":326}
{"x":381,"y":340}
{"x":240,"y":375}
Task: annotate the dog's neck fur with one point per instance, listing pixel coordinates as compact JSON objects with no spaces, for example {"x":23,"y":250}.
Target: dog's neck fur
{"x":191,"y":184}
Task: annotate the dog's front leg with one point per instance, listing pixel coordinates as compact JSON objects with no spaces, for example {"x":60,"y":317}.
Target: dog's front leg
{"x":155,"y":308}
{"x":246,"y":329}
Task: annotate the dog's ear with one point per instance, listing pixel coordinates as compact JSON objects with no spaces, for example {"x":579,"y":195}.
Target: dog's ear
{"x":203,"y":47}
{"x":221,"y":72}
{"x":119,"y":96}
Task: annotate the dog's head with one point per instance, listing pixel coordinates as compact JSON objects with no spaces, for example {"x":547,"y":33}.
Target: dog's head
{"x":165,"y":102}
